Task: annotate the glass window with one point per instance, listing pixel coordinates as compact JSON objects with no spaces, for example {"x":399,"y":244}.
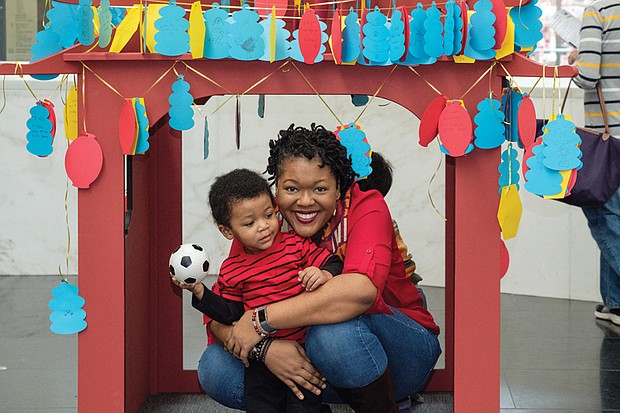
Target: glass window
{"x":19,"y":23}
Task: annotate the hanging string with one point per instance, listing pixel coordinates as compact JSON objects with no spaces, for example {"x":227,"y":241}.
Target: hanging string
{"x":64,"y":278}
{"x":375,"y":95}
{"x":426,"y":81}
{"x":534,"y":87}
{"x":553,"y":92}
{"x":479,"y":80}
{"x":556,"y":75}
{"x":161,"y":77}
{"x":318,"y":94}
{"x":84,"y":95}
{"x":544,"y":92}
{"x":84,"y":66}
{"x":3,"y":94}
{"x":21,"y":75}
{"x":511,"y":79}
{"x":207,"y":78}
{"x":430,"y":182}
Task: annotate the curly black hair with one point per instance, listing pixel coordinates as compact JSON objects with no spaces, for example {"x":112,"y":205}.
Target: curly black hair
{"x":381,"y":176}
{"x":297,"y":141}
{"x":232,"y":187}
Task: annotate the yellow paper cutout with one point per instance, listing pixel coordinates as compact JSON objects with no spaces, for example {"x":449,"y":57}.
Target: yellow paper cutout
{"x":127,"y":28}
{"x":563,"y":184}
{"x":71,"y":114}
{"x":272,"y":35}
{"x":508,"y":45}
{"x":197,"y":31}
{"x":463,"y":59}
{"x":96,"y":19}
{"x":152,"y":14}
{"x":509,"y":211}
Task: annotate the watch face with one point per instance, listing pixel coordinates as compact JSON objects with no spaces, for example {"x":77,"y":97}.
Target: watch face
{"x":262,"y":317}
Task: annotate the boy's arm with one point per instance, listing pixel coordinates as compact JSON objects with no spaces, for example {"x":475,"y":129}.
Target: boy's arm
{"x":334,"y":265}
{"x":222,"y":310}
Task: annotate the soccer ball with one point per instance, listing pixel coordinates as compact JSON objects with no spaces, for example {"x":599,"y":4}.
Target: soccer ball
{"x":189,"y":263}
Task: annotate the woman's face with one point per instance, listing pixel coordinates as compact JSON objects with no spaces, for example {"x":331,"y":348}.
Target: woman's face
{"x":307,"y":194}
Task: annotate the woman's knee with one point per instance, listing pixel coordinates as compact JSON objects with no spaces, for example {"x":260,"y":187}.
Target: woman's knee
{"x":221,"y":376}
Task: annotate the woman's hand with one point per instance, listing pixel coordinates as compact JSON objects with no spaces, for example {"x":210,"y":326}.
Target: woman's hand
{"x":289,"y":362}
{"x":243,"y":338}
{"x":573,"y":56}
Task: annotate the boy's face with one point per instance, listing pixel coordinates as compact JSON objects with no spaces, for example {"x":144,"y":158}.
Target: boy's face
{"x":254,"y":223}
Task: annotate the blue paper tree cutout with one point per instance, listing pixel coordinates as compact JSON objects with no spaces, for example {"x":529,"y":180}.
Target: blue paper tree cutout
{"x":416,"y":54}
{"x":86,"y":27}
{"x":47,"y":44}
{"x":481,"y":38}
{"x":397,"y":36}
{"x":39,"y":134}
{"x":528,"y":27}
{"x":433,"y":40}
{"x":181,"y":112}
{"x":449,"y":28}
{"x":142,"y":143}
{"x":354,"y":140}
{"x":105,"y":23}
{"x":489,"y":122}
{"x":172,"y":38}
{"x":67,"y":316}
{"x":561,"y":148}
{"x":511,"y":100}
{"x":246,"y":35}
{"x":282,"y":35}
{"x":541,"y":180}
{"x":63,"y":21}
{"x":351,"y":37}
{"x":294,"y":51}
{"x":216,"y":37}
{"x":375,"y":44}
{"x":508,"y":168}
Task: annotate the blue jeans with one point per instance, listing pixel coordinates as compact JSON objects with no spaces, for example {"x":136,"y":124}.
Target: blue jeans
{"x":350,"y":354}
{"x":604,"y":223}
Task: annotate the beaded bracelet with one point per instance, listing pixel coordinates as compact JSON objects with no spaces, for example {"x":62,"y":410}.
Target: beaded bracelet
{"x":256,"y":324}
{"x":259,"y":352}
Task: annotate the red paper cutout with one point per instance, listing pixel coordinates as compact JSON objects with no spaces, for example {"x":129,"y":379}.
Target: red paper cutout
{"x":363,"y":22}
{"x":463,"y":5}
{"x":336,"y":31}
{"x":501,"y":22}
{"x":504,"y":259}
{"x":405,"y":19}
{"x":263,"y":7}
{"x":52,"y":117}
{"x":128,"y":128}
{"x":571,"y":181}
{"x":455,"y":128}
{"x":83,"y":160}
{"x":526,"y":121}
{"x":309,"y":36}
{"x":429,"y":124}
{"x":529,"y":151}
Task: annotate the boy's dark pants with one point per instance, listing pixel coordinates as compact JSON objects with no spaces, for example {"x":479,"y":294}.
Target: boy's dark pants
{"x":265,"y":393}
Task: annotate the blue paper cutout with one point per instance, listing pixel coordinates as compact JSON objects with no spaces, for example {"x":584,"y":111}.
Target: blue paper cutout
{"x":397,"y":36}
{"x":376,"y":45}
{"x":216,"y":37}
{"x":508,"y":169}
{"x":433,"y":40}
{"x":261,"y":106}
{"x":85,"y":25}
{"x":481,"y":37}
{"x":359,"y":100}
{"x":105,"y":23}
{"x":354,"y":140}
{"x":67,"y":315}
{"x":205,"y":140}
{"x":351,"y":37}
{"x":511,"y":100}
{"x":541,"y":180}
{"x":449,"y":28}
{"x":181,"y":112}
{"x":294,"y":51}
{"x":561,"y":142}
{"x":246,"y":42}
{"x":63,"y":21}
{"x":46,"y":45}
{"x":172,"y":38}
{"x":416,"y":54}
{"x":142,"y":143}
{"x":489,"y":122}
{"x":444,"y":150}
{"x":528,"y":27}
{"x":39,"y":135}
{"x":282,"y":35}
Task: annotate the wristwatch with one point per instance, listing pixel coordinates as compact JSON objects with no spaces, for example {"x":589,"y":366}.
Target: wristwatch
{"x":261,"y":313}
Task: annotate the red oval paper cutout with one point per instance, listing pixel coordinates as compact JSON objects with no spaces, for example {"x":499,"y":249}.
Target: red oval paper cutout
{"x":429,"y":124}
{"x":571,"y":182}
{"x":455,"y":128}
{"x":263,"y":7}
{"x":336,"y":32}
{"x":465,"y":19}
{"x":83,"y":160}
{"x":504,"y":259}
{"x":526,"y":121}
{"x":52,"y":117}
{"x":127,"y":127}
{"x":405,"y":19}
{"x":309,"y":36}
{"x":527,"y":154}
{"x":501,"y":22}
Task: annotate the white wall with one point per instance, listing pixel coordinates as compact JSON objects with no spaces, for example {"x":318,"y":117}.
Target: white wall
{"x":553,"y":254}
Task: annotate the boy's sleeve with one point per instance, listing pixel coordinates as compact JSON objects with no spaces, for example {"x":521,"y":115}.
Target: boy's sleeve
{"x":590,"y":49}
{"x":218,"y":308}
{"x":334,"y":265}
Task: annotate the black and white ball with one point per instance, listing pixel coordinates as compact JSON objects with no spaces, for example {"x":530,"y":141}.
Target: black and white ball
{"x":189,"y":263}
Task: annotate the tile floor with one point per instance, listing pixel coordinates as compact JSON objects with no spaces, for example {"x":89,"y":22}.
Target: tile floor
{"x":555,"y":357}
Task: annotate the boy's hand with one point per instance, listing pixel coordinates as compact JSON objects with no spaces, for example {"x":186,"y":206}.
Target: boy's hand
{"x":196,"y":289}
{"x":312,"y":277}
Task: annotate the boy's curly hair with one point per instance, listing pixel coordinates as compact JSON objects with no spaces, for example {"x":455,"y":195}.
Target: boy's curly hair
{"x":297,"y":141}
{"x":232,"y":187}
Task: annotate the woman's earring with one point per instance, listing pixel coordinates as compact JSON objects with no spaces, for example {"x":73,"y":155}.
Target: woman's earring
{"x":334,"y":213}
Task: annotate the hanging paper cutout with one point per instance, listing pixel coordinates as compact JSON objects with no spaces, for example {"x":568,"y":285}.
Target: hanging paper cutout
{"x":429,"y":123}
{"x":272,"y":36}
{"x":83,"y":160}
{"x":359,"y":100}
{"x":375,"y":41}
{"x":246,"y":42}
{"x":455,"y":129}
{"x":526,"y":121}
{"x":465,"y":24}
{"x":504,"y":259}
{"x":261,"y":106}
{"x":196,"y":31}
{"x":309,"y":38}
{"x":335,"y":40}
{"x":489,"y":122}
{"x":528,"y":27}
{"x":265,"y":7}
{"x":71,"y":114}
{"x":508,"y":168}
{"x":62,"y":20}
{"x":416,"y":54}
{"x":281,"y":35}
{"x":181,"y":112}
{"x":47,"y":44}
{"x":172,"y":38}
{"x":481,"y":37}
{"x":508,"y":46}
{"x":142,"y":141}
{"x":39,"y":134}
{"x":561,"y":145}
{"x":237,"y":123}
{"x":205,"y":140}
{"x":527,"y":154}
{"x":216,"y":37}
{"x":128,"y":128}
{"x":52,"y":115}
{"x":509,"y":211}
{"x":152,"y":15}
{"x":67,"y":315}
{"x":399,"y":34}
{"x":449,"y":28}
{"x":500,"y":12}
{"x":351,"y":38}
{"x":126,"y":29}
{"x":353,"y":138}
{"x":540,"y":179}
{"x":511,"y":101}
{"x":105,"y":23}
{"x":86,"y":27}
{"x":433,"y":29}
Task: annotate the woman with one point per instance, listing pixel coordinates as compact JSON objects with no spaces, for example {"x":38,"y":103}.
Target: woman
{"x":370,"y":336}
